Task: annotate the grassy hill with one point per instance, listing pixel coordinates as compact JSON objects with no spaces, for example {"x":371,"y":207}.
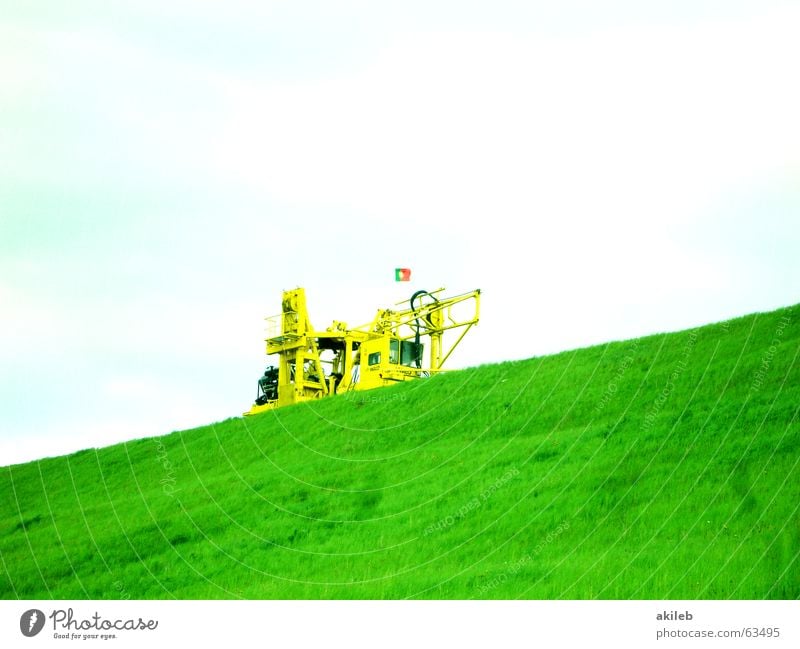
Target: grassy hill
{"x":663,"y":467}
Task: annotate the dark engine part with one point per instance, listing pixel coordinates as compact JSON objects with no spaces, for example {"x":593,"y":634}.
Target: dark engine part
{"x":267,"y":386}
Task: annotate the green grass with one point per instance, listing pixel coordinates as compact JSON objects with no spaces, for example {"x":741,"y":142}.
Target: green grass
{"x":661,"y":468}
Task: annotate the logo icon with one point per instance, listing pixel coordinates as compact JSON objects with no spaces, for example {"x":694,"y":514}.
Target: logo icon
{"x":31,"y":622}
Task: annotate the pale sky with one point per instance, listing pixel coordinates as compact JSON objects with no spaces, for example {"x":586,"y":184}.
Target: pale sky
{"x":601,"y":170}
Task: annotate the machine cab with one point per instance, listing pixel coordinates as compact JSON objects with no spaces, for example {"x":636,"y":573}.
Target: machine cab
{"x":385,"y":360}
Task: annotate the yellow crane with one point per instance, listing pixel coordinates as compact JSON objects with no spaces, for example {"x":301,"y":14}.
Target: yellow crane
{"x":314,"y":364}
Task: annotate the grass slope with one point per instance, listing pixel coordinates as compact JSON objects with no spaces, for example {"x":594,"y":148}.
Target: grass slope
{"x":664,"y":467}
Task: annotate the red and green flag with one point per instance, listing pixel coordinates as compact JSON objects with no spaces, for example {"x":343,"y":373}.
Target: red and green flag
{"x":402,"y":274}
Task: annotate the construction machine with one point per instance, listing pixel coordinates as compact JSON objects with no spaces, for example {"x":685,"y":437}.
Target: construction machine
{"x":313,"y":364}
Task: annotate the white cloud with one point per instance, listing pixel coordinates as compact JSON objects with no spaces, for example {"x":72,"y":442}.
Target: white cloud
{"x":447,"y":126}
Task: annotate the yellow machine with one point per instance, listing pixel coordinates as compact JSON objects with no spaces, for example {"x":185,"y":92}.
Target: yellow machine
{"x":314,"y":364}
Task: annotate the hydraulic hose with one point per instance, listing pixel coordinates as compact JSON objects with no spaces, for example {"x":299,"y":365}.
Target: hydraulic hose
{"x":417,"y":352}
